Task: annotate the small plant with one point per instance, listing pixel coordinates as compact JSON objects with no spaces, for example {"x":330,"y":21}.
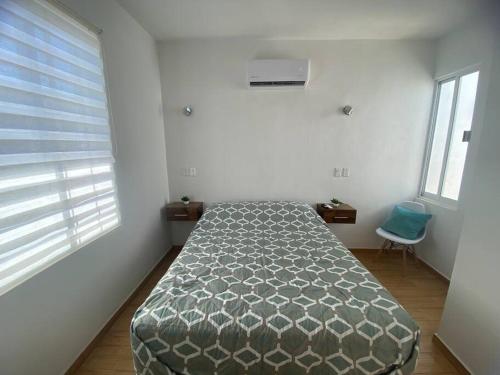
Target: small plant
{"x":335,"y":202}
{"x":185,"y":199}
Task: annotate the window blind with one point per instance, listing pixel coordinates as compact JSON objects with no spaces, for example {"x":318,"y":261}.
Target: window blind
{"x":57,"y":189}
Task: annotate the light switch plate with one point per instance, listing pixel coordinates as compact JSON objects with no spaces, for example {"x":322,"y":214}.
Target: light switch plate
{"x":345,"y":172}
{"x":189,"y":172}
{"x":337,"y":172}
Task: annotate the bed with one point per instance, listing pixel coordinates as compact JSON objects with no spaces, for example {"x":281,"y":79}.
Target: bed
{"x":267,"y":288}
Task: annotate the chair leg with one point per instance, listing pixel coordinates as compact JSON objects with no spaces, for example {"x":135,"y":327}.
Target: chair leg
{"x":415,"y":254}
{"x":405,"y":249}
{"x":382,"y":249}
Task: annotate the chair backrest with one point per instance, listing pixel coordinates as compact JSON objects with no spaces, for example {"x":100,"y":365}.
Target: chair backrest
{"x":415,"y":206}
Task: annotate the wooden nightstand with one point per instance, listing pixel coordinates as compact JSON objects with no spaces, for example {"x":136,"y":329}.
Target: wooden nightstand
{"x":178,"y":211}
{"x":343,"y":214}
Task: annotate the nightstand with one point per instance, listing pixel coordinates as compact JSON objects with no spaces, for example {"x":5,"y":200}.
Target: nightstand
{"x":343,"y":214}
{"x":178,"y":211}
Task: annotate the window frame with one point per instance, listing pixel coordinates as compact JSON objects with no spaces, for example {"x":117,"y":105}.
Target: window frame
{"x":438,"y":82}
{"x":58,"y":6}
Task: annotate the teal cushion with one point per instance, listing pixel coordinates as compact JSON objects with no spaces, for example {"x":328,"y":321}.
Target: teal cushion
{"x":406,"y":223}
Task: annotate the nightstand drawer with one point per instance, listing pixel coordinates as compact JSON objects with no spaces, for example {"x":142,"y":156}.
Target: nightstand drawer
{"x":344,"y":214}
{"x":339,"y":216}
{"x":181,"y":212}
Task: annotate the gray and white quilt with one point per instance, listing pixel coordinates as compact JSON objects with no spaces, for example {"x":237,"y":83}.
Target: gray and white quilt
{"x":267,"y":288}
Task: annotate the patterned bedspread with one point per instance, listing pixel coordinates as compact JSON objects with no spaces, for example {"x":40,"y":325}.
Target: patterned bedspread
{"x":267,"y":288}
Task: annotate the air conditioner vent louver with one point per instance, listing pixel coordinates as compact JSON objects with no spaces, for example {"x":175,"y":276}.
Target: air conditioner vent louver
{"x":278,"y":73}
{"x":279,"y":83}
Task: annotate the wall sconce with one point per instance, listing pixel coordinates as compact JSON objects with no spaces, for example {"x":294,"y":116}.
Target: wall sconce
{"x":187,"y":110}
{"x":347,"y":110}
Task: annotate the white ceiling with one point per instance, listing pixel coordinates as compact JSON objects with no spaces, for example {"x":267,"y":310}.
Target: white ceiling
{"x":299,"y":19}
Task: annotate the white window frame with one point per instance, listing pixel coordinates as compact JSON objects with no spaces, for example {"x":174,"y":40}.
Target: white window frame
{"x":456,"y":76}
{"x":83,"y":23}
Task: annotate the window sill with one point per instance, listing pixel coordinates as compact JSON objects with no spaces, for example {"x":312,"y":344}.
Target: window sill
{"x":7,"y":287}
{"x":438,"y":203}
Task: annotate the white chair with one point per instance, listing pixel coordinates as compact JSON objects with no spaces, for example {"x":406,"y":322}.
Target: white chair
{"x":393,"y":241}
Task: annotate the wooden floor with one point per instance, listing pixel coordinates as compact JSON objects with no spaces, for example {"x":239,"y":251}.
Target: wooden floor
{"x":421,"y":292}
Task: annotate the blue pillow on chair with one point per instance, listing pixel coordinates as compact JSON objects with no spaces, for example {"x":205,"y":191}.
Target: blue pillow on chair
{"x":406,"y":223}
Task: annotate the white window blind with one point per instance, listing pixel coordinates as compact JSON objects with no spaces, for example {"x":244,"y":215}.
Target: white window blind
{"x":57,"y":189}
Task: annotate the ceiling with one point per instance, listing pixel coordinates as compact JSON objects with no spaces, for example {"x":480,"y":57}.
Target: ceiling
{"x":299,"y":19}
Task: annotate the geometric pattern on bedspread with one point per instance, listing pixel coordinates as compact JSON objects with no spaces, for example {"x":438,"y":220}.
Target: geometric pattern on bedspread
{"x":267,"y":288}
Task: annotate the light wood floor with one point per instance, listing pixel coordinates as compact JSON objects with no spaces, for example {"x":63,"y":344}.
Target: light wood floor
{"x":421,"y":292}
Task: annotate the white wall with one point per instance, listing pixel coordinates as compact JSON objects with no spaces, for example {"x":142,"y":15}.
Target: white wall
{"x":470,"y":325}
{"x":47,"y":321}
{"x":268,"y":144}
{"x":440,"y":247}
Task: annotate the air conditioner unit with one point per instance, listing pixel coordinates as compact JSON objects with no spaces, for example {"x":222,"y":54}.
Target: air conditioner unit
{"x":278,"y":73}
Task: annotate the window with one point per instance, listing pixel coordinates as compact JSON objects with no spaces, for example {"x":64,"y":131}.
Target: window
{"x":450,"y":132}
{"x":57,"y":189}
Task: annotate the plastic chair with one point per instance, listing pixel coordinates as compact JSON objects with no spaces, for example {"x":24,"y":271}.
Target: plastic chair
{"x":393,"y":241}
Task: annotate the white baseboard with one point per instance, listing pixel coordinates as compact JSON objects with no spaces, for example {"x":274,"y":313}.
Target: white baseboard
{"x":81,"y":356}
{"x":455,"y":356}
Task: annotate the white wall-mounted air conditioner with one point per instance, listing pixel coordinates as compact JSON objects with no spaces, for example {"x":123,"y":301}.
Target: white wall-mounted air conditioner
{"x":278,"y":73}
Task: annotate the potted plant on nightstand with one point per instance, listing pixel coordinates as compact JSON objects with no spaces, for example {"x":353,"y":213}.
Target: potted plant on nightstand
{"x":185,"y":200}
{"x":335,"y":202}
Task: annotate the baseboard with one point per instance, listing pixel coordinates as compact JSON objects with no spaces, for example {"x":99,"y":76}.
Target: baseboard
{"x":423,"y":262}
{"x":90,"y":347}
{"x":435,"y":271}
{"x":461,"y":368}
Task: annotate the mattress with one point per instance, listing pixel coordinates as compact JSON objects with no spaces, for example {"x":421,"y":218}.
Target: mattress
{"x":267,"y":288}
